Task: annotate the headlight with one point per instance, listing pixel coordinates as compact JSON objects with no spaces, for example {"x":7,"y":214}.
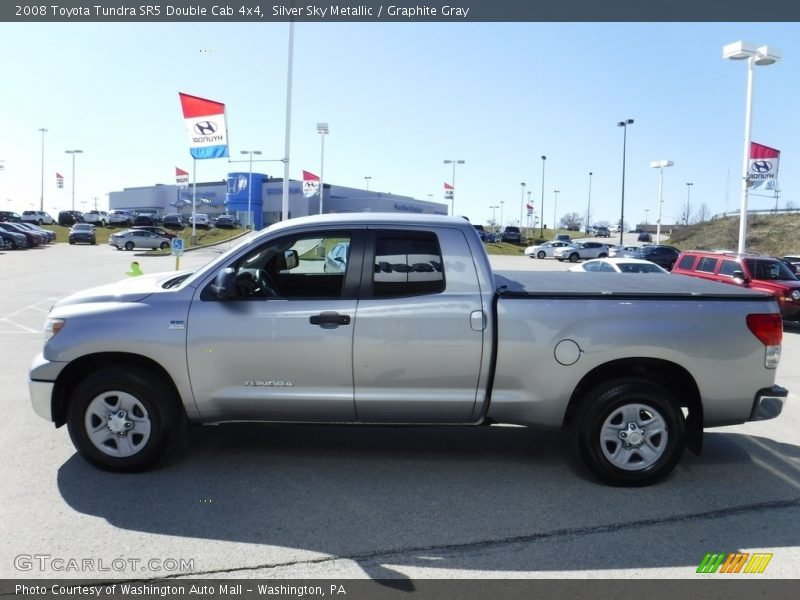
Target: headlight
{"x":52,"y":327}
{"x":795,"y":295}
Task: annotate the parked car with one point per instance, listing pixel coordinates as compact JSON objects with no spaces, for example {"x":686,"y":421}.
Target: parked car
{"x":96,"y":217}
{"x":226,"y":222}
{"x":149,"y":219}
{"x":37,"y":216}
{"x":82,"y":232}
{"x":200,"y":220}
{"x":69,"y":217}
{"x":644,"y":237}
{"x":618,"y":265}
{"x":12,"y":240}
{"x":138,"y":238}
{"x":661,"y":254}
{"x":562,"y":237}
{"x":581,"y":251}
{"x":157,"y":230}
{"x":32,"y":239}
{"x":546,"y":250}
{"x":173,"y":221}
{"x":49,"y":236}
{"x":512,"y":235}
{"x":8,"y":216}
{"x":602,"y":232}
{"x":481,"y":232}
{"x":763,"y":273}
{"x":121,"y":217}
{"x":336,"y":259}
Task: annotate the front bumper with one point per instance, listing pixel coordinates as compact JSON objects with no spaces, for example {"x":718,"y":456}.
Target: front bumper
{"x":42,"y":398}
{"x":768,"y":403}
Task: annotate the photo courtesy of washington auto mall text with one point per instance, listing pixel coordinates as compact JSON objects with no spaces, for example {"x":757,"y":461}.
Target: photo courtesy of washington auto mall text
{"x":164,"y":589}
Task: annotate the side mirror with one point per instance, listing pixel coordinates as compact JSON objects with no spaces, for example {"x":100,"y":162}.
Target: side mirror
{"x":289,"y":260}
{"x":225,"y":284}
{"x":740,"y":277}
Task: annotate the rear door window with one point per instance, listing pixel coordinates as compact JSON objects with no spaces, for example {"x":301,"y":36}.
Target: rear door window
{"x":407,"y":263}
{"x":707,"y":264}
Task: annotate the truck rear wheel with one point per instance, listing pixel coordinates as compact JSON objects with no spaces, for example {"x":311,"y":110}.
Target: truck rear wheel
{"x":630,"y":432}
{"x":121,"y":418}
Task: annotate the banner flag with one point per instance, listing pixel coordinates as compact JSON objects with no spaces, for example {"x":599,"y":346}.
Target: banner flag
{"x":763,"y":171}
{"x":59,"y":180}
{"x":205,"y":124}
{"x":310,"y":184}
{"x":181,"y":177}
{"x":530,"y":209}
{"x":448,"y":191}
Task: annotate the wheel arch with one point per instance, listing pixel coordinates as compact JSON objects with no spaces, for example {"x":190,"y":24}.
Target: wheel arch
{"x":669,"y":375}
{"x":80,"y":368}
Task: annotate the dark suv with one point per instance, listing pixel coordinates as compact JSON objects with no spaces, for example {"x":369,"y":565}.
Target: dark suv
{"x":9,"y":217}
{"x":70,"y":217}
{"x":663,"y":255}
{"x":511,"y":235}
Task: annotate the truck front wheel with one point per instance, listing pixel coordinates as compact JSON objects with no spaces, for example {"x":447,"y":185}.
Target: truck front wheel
{"x":120,"y":419}
{"x":630,"y":432}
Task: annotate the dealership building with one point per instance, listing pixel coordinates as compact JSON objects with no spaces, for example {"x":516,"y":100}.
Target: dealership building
{"x":264,"y":197}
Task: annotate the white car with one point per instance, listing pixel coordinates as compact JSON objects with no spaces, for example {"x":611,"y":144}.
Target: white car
{"x":37,"y":216}
{"x":96,"y":217}
{"x":121,"y":217}
{"x":618,"y":265}
{"x":200,"y":220}
{"x":546,"y":250}
{"x":581,"y":251}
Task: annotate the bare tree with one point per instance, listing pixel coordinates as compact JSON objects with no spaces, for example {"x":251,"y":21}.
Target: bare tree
{"x":702,"y":213}
{"x":790,"y":206}
{"x":571,"y":221}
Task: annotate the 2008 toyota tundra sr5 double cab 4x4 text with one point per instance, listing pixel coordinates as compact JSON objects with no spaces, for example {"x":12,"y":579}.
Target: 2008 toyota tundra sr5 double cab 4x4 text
{"x":389,"y":319}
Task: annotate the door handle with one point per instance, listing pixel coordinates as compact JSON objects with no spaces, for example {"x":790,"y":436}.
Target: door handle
{"x":329,"y":320}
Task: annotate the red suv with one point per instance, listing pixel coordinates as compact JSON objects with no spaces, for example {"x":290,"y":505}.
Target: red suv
{"x":761,"y":273}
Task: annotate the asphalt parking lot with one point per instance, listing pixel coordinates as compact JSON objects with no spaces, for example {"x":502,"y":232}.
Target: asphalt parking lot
{"x":349,"y":502}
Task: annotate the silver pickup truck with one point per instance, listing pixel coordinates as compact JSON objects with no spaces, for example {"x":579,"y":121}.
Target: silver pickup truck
{"x":389,"y":319}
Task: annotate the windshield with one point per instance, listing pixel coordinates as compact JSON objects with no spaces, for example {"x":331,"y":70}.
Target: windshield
{"x":769,"y":270}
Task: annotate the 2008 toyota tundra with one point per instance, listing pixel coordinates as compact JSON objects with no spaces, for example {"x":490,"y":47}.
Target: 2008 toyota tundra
{"x":399,"y":319}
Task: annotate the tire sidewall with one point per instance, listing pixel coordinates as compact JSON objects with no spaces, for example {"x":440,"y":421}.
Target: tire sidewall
{"x":601,"y":402}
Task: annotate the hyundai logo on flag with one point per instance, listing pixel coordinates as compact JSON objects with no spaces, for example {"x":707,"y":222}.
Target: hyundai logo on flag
{"x":762,"y":166}
{"x":205,"y":128}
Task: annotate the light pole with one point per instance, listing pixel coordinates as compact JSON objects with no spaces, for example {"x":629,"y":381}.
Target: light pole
{"x":555,"y":211}
{"x":494,"y":222}
{"x":761,"y":56}
{"x":73,"y":152}
{"x":367,"y":178}
{"x":688,"y":201}
{"x":646,"y":214}
{"x":624,"y":124}
{"x":501,"y":214}
{"x":41,"y":198}
{"x":530,"y":215}
{"x":454,"y":162}
{"x":250,"y":154}
{"x":322,"y":129}
{"x":589,"y":204}
{"x":660,"y":164}
{"x":521,"y":204}
{"x":541,"y":210}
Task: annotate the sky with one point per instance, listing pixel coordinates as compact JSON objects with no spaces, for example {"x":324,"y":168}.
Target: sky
{"x":400,"y":98}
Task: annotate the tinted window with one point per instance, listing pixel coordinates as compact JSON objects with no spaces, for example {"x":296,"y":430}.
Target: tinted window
{"x":728,"y":267}
{"x":707,"y":264}
{"x":686,"y":262}
{"x":769,"y":270}
{"x":406,"y":264}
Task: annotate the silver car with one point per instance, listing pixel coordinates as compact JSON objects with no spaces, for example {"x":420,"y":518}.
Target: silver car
{"x":138,"y":238}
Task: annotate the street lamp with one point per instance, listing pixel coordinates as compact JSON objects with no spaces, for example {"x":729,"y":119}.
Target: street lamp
{"x":761,"y":56}
{"x":454,"y":162}
{"x":367,"y":178}
{"x":501,"y":213}
{"x":589,"y":203}
{"x":624,"y":124}
{"x":521,"y":204}
{"x":322,"y":129}
{"x":530,"y":215}
{"x":250,"y":154}
{"x":688,"y":201}
{"x":555,"y":211}
{"x":73,"y":152}
{"x":541,"y":210}
{"x":494,"y":222}
{"x":646,"y":214}
{"x":660,"y":164}
{"x":41,"y":198}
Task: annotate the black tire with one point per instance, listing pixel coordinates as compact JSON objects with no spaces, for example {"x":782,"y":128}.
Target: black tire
{"x":541,"y":254}
{"x":164,"y":245}
{"x":653,"y":455}
{"x":72,"y":242}
{"x":574,"y":257}
{"x":129,"y":246}
{"x":41,"y":222}
{"x":149,"y":401}
{"x":602,"y":255}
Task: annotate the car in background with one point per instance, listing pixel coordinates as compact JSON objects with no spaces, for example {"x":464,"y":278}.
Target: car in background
{"x":49,"y":236}
{"x":138,"y":238}
{"x":336,"y":259}
{"x":546,"y":250}
{"x":149,"y":219}
{"x":226,"y":222}
{"x":600,"y":231}
{"x":581,"y":251}
{"x":618,"y":250}
{"x":69,"y":217}
{"x":12,"y":240}
{"x":121,"y":217}
{"x":512,"y":235}
{"x":762,"y":273}
{"x":32,"y":239}
{"x":661,"y":254}
{"x":172,"y":221}
{"x":644,"y":237}
{"x":200,"y":220}
{"x":37,"y":216}
{"x":96,"y":217}
{"x":562,"y":237}
{"x":82,"y":232}
{"x":157,"y":230}
{"x":481,"y":232}
{"x":8,"y":216}
{"x":618,"y":265}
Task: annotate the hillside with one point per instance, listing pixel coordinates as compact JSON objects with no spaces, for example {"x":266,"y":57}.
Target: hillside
{"x":776,"y":235}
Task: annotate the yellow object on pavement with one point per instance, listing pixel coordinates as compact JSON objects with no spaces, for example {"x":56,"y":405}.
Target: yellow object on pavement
{"x":135,"y":270}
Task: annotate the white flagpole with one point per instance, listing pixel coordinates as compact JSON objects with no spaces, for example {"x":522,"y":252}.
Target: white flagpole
{"x":194,"y":199}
